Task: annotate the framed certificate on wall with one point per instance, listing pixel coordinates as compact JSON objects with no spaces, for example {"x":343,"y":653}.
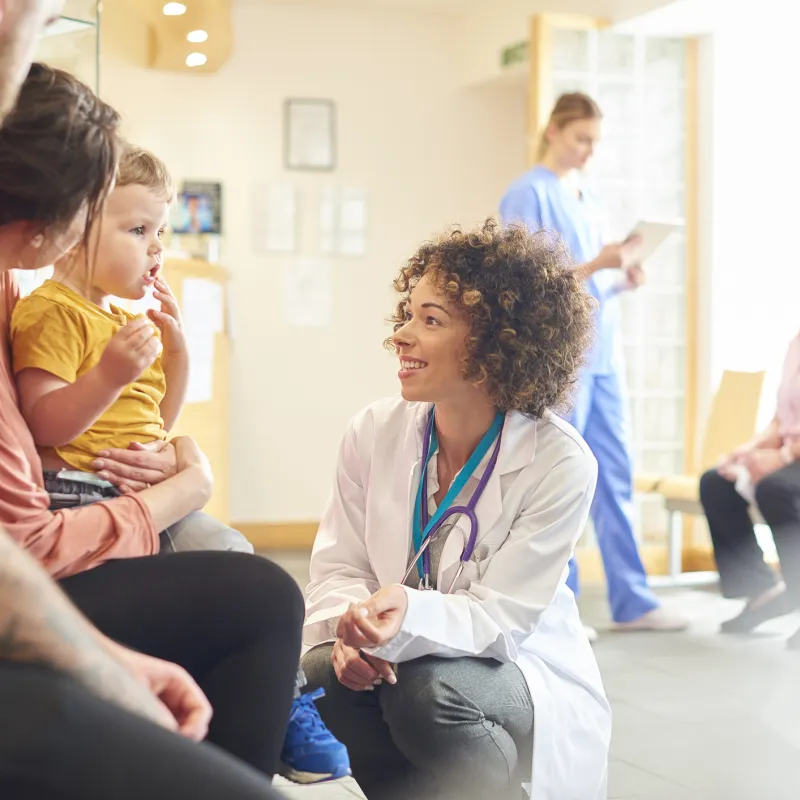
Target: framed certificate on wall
{"x":309,"y":134}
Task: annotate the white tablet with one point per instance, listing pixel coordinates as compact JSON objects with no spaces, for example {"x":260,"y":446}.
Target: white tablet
{"x":653,"y":234}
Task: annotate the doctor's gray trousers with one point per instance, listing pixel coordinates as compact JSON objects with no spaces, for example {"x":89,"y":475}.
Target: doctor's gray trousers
{"x":451,"y":728}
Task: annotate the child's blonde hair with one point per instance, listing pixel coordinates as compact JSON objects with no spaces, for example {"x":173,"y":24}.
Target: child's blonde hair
{"x":139,"y":167}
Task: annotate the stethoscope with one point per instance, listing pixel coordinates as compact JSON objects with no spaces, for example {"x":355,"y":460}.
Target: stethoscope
{"x":425,"y":528}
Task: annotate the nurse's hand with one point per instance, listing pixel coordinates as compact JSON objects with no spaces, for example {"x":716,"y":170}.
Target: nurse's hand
{"x":635,"y":278}
{"x":375,"y":621}
{"x":358,"y":671}
{"x":618,"y":255}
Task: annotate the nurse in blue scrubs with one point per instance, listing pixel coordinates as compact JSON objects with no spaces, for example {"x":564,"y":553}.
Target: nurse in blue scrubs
{"x":551,"y":196}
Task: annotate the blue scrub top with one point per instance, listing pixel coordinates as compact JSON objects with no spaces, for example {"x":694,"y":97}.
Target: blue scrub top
{"x":539,"y":200}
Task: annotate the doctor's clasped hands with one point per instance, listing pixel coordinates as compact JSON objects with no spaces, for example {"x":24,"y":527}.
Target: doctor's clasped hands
{"x":365,"y":626}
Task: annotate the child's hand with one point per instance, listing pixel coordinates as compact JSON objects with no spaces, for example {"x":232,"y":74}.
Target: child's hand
{"x":168,"y":319}
{"x":129,"y":353}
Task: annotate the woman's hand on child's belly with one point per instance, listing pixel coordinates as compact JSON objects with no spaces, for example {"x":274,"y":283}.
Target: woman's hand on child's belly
{"x":138,"y":467}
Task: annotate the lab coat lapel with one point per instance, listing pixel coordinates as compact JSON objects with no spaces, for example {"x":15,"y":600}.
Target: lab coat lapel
{"x":517,"y":450}
{"x":395,"y":551}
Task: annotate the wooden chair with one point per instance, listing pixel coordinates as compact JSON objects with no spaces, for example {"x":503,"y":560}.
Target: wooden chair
{"x":731,"y":422}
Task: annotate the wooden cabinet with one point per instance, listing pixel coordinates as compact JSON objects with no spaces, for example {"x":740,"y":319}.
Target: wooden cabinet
{"x":208,"y":422}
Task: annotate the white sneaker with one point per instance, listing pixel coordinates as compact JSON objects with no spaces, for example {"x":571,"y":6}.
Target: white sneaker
{"x":591,"y":634}
{"x":659,"y":619}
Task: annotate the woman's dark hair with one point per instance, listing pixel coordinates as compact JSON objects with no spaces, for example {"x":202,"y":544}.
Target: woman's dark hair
{"x":59,"y":149}
{"x":530,"y":316}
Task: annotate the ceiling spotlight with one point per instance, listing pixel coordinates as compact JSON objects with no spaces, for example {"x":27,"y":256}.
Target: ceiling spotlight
{"x":196,"y":36}
{"x":195,"y":60}
{"x":174,"y":9}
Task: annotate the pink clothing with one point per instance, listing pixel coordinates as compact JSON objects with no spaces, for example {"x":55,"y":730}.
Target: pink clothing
{"x":68,"y":541}
{"x":788,"y":411}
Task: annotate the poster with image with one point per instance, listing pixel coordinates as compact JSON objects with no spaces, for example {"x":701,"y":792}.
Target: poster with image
{"x":198,"y":208}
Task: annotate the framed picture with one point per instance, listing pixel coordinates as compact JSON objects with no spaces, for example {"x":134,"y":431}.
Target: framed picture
{"x":309,"y":134}
{"x":198,"y":208}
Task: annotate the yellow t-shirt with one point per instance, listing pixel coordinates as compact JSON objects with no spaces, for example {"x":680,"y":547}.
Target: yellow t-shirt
{"x":56,"y":330}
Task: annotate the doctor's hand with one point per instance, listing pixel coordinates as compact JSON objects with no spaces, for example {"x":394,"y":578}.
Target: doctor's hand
{"x":375,"y":621}
{"x":358,"y":671}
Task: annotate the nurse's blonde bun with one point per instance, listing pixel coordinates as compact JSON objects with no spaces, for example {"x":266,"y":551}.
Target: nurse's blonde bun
{"x":570,"y":107}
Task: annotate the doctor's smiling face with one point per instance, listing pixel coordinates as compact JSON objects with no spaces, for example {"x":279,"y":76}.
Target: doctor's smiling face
{"x":494,"y":314}
{"x":430,"y":343}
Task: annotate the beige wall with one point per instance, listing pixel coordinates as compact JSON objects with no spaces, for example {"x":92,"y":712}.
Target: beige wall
{"x":428,"y":152}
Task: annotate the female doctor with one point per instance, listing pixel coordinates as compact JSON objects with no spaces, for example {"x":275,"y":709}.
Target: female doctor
{"x":448,"y":644}
{"x":550,"y":196}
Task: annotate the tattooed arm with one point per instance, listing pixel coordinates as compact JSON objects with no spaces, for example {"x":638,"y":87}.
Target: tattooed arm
{"x":39,"y":625}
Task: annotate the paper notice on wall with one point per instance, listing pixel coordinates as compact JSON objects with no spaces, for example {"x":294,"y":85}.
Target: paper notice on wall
{"x":200,"y":345}
{"x":308,"y":292}
{"x":343,"y":222}
{"x":275,"y":218}
{"x":328,"y":224}
{"x":353,"y":222}
{"x":203,"y":303}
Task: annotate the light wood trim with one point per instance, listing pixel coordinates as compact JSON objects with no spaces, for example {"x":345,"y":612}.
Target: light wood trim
{"x":168,"y":45}
{"x":691,"y":454}
{"x":269,"y":536}
{"x":540,"y":96}
{"x":198,"y":268}
{"x":578,"y":22}
{"x":540,"y":68}
{"x":285,"y":536}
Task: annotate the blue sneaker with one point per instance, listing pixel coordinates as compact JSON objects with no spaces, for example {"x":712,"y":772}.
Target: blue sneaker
{"x":311,"y":753}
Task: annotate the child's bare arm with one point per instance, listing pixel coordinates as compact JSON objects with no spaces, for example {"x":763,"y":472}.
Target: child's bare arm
{"x":175,"y":358}
{"x":58,"y":411}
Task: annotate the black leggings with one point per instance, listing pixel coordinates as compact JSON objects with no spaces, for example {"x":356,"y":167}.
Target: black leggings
{"x":60,"y":742}
{"x":742,"y":570}
{"x":232,"y":620}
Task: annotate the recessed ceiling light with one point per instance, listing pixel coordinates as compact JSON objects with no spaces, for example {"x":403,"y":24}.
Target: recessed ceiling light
{"x":196,"y":36}
{"x":174,"y":9}
{"x":195,"y":60}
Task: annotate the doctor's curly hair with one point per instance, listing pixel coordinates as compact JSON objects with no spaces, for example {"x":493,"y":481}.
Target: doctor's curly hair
{"x":530,"y":316}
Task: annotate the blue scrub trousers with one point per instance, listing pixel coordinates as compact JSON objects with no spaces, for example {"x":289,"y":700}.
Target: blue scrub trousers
{"x":599,"y":416}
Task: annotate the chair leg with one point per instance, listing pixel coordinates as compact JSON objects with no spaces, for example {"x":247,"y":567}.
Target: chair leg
{"x":675,"y":545}
{"x":675,"y":576}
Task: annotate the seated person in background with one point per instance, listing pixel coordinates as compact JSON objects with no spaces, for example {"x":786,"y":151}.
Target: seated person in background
{"x":495,"y":668}
{"x":92,"y":376}
{"x":767,"y":470}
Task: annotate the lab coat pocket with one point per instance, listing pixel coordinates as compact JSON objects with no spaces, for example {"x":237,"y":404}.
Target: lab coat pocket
{"x":482,"y":556}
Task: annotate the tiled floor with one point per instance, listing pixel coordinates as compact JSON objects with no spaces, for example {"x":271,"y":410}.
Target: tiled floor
{"x":698,"y":716}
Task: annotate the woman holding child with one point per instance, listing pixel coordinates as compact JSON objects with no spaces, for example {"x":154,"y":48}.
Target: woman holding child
{"x":230,"y":619}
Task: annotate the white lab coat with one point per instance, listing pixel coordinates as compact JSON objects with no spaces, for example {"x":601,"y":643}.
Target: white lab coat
{"x":511,"y":603}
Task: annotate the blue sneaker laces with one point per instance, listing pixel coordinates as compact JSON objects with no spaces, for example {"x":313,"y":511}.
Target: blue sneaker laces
{"x":306,"y":715}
